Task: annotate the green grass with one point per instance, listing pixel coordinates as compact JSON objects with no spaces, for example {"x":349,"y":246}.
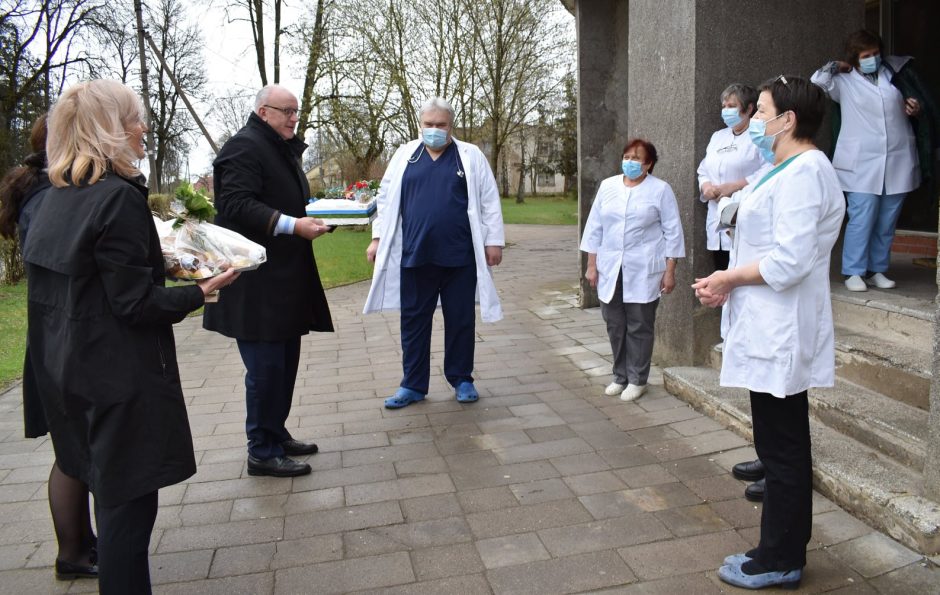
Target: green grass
{"x":547,"y":210}
{"x":341,"y":259}
{"x":12,"y":331}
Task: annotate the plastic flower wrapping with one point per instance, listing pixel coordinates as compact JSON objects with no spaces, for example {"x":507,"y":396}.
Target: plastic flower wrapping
{"x":193,"y":248}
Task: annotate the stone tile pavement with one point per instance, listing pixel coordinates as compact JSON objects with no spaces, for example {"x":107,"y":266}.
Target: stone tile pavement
{"x":543,"y":486}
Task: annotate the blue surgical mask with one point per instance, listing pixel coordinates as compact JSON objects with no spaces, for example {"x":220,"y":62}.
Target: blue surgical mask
{"x":434,"y":138}
{"x":731,"y":116}
{"x":757,"y":130}
{"x":870,"y":64}
{"x":631,"y":168}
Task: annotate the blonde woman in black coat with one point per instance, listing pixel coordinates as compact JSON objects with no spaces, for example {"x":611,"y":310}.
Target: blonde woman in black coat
{"x":100,"y":326}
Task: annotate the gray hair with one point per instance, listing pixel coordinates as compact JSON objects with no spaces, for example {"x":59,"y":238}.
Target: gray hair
{"x":262,"y":97}
{"x":746,"y":95}
{"x":437,"y":104}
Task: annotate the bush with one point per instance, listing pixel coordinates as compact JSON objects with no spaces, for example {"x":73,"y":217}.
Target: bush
{"x":160,"y":205}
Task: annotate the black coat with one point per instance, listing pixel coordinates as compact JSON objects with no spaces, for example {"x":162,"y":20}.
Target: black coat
{"x":101,"y":340}
{"x":257,"y":177}
{"x":34,"y":418}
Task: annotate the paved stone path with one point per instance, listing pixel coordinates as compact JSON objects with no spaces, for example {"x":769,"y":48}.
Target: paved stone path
{"x":543,"y":486}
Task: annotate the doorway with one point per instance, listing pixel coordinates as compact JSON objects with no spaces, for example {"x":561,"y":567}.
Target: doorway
{"x":909,"y":28}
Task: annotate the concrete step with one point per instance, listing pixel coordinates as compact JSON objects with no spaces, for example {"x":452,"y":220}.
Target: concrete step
{"x":889,"y":425}
{"x":897,"y":368}
{"x":885,"y":313}
{"x":871,"y":485}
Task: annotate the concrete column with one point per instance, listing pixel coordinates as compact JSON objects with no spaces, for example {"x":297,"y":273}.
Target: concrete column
{"x":681,"y":55}
{"x":602,"y":27}
{"x":932,"y":460}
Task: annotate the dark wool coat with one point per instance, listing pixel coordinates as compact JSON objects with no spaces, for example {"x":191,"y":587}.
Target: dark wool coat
{"x":34,"y":418}
{"x":257,"y":177}
{"x":101,"y":340}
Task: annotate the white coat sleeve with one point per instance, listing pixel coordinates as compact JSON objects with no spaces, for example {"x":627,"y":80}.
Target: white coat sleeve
{"x":795,"y":227}
{"x":381,"y":197}
{"x":826,"y":77}
{"x":702,"y":171}
{"x":593,"y":235}
{"x":672,"y":225}
{"x":491,"y":215}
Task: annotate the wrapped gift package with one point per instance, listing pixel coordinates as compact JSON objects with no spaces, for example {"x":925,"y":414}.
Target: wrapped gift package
{"x":341,"y":211}
{"x":199,"y":250}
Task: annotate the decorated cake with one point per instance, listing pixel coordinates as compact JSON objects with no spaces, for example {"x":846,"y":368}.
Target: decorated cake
{"x":342,"y":211}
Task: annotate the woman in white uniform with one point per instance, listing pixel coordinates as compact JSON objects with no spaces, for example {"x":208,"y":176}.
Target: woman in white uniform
{"x":875,"y":157}
{"x":780,"y":340}
{"x":632,"y":237}
{"x":731,"y":162}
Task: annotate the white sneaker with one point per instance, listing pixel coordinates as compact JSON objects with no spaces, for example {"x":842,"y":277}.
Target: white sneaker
{"x":614,"y":388}
{"x":882,"y":282}
{"x":855,"y":283}
{"x":632,"y":392}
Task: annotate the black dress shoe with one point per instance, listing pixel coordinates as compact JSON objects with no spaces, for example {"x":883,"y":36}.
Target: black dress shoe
{"x":66,"y":571}
{"x":755,"y":491}
{"x":296,"y":448}
{"x":749,"y":471}
{"x":277,"y":467}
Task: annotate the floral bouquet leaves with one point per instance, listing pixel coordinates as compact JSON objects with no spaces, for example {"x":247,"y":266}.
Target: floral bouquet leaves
{"x":193,"y":248}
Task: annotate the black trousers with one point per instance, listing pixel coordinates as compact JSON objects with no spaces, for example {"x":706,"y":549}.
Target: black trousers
{"x":271,"y":372}
{"x":123,"y":540}
{"x":782,"y":441}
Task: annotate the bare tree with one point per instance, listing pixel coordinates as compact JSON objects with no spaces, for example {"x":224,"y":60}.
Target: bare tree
{"x":116,"y":43}
{"x":36,"y":55}
{"x":181,"y":45}
{"x":521,"y":45}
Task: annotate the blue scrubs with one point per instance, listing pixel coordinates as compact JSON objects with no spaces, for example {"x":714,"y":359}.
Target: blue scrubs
{"x":437,"y":263}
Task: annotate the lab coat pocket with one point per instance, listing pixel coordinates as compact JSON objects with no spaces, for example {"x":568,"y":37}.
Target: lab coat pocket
{"x":656,"y":262}
{"x":846,"y":155}
{"x":770,"y":332}
{"x":755,"y":225}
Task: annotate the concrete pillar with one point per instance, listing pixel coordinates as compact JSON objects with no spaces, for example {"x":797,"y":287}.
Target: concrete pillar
{"x":602,"y":28}
{"x":680,"y":55}
{"x":932,"y":460}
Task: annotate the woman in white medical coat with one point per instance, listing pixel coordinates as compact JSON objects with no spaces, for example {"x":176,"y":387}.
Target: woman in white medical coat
{"x":632,"y":237}
{"x":731,"y":162}
{"x":875,"y":156}
{"x":780,"y":340}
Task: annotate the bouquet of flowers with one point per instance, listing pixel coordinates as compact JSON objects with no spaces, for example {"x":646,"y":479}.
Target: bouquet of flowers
{"x":193,"y":248}
{"x":362,"y":191}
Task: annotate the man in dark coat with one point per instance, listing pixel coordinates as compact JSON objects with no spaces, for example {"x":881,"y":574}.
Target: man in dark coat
{"x":261,"y":192}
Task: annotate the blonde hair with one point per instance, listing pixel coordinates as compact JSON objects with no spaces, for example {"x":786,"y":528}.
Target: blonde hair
{"x":88,"y":133}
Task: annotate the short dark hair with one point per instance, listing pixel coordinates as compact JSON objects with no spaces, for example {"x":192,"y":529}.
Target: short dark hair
{"x":860,"y":41}
{"x":798,"y":95}
{"x":746,"y":94}
{"x":651,"y":153}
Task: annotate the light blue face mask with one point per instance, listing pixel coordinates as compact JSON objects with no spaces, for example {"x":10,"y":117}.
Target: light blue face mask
{"x":731,"y":116}
{"x":870,"y":64}
{"x":434,"y":138}
{"x":631,"y":168}
{"x":757,"y":130}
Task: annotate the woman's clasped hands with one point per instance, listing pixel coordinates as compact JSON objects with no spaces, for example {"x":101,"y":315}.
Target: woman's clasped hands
{"x":713,"y":290}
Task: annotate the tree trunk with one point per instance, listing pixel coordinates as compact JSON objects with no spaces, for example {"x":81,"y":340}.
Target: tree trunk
{"x":277,"y":41}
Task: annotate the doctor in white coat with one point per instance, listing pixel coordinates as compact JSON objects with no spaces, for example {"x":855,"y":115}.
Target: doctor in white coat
{"x":875,"y":157}
{"x":731,"y":162}
{"x":438,"y":230}
{"x":780,"y":340}
{"x":632,"y":237}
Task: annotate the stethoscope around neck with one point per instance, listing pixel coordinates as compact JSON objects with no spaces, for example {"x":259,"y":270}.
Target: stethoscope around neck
{"x":460,"y":172}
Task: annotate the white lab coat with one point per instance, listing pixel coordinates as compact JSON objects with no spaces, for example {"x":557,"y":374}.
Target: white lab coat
{"x":780,"y":339}
{"x":876,"y":150}
{"x":633,"y":230}
{"x":728,"y":158}
{"x":486,"y":227}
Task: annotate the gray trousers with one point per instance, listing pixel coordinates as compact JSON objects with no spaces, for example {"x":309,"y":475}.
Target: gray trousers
{"x":630,"y":329}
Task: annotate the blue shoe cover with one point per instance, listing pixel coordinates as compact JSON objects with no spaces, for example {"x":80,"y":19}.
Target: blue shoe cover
{"x":402,"y":398}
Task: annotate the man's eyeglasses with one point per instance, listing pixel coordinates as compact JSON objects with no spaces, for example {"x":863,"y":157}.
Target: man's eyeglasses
{"x":287,"y":111}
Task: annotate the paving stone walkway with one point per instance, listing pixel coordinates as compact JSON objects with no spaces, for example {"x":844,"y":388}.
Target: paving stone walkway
{"x":543,"y":486}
